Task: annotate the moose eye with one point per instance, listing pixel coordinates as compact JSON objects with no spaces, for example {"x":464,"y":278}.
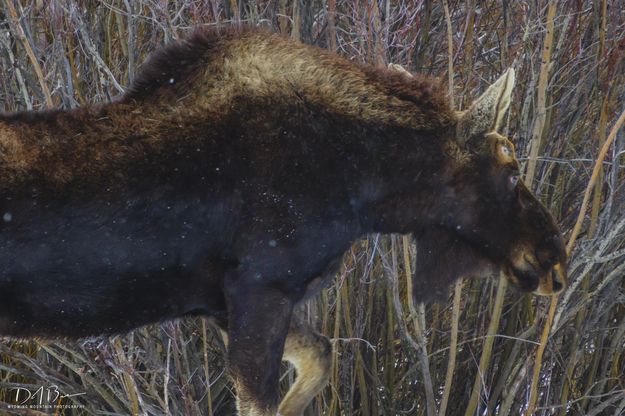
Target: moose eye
{"x":513,"y":180}
{"x":505,"y":150}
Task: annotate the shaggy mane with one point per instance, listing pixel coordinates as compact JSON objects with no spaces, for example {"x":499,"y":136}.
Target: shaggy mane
{"x":222,"y":62}
{"x":174,"y":66}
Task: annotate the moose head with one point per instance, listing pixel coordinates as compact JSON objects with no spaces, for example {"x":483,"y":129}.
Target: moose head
{"x":488,"y":220}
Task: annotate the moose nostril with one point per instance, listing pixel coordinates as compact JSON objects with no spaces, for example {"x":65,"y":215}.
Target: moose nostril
{"x":557,"y":286}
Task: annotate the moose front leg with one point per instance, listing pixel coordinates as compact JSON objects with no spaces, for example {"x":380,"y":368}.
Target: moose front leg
{"x":258,"y":322}
{"x":311,"y":355}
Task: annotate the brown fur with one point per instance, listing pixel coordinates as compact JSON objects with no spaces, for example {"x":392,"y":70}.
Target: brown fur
{"x":192,"y":84}
{"x":229,"y":181}
{"x":262,"y":63}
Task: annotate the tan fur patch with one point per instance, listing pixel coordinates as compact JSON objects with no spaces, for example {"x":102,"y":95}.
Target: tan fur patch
{"x":15,"y":155}
{"x":523,"y":257}
{"x":545,"y":286}
{"x":503,"y":149}
{"x":271,"y":66}
{"x":310,"y":354}
{"x":560,"y":270}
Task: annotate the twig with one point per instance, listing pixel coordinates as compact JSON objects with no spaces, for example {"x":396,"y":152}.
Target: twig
{"x":420,"y":345}
{"x":30,"y":52}
{"x":450,"y":54}
{"x":593,"y":179}
{"x":369,"y":345}
{"x":453,"y":342}
{"x":531,"y":167}
{"x":539,"y":124}
{"x":94,"y":52}
{"x":576,"y":229}
{"x":18,"y":73}
{"x":488,"y":345}
{"x":453,"y":347}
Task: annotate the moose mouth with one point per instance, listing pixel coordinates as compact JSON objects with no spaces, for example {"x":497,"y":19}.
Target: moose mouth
{"x":538,"y":281}
{"x":443,"y":256}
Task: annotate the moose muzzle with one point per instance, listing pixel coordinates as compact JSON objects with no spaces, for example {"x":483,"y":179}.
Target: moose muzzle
{"x":552,"y":283}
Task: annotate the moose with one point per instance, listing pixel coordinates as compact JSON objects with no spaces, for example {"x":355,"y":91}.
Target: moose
{"x":229,"y":180}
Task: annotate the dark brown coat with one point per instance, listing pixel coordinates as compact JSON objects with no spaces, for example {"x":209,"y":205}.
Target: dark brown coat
{"x":233,"y":174}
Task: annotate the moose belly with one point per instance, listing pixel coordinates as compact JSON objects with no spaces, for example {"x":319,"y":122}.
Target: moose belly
{"x":104,"y":267}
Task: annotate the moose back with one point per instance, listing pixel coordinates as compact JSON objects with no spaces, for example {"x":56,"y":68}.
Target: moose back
{"x":228,"y":182}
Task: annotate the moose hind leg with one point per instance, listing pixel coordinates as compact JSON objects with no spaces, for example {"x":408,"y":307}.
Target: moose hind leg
{"x":258,"y":322}
{"x":311,"y":355}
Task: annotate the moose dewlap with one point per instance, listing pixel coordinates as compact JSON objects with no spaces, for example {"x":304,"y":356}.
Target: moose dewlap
{"x":228,"y":182}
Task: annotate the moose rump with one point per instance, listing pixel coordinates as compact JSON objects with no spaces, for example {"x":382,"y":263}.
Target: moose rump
{"x":229,"y":181}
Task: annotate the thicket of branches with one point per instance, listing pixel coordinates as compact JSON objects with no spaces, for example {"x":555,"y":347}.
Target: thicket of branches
{"x":479,"y":353}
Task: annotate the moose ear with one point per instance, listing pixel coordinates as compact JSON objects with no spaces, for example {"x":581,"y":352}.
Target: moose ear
{"x":487,"y":112}
{"x":443,"y":258}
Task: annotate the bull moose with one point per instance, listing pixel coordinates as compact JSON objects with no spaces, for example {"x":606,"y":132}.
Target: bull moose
{"x":229,"y":180}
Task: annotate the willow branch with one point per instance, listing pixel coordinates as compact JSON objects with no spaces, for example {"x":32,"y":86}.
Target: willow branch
{"x":539,"y":124}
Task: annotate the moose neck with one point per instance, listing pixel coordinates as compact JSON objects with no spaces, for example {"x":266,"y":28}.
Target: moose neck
{"x":412,"y":174}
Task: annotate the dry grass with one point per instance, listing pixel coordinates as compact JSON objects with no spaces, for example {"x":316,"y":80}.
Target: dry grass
{"x":391,"y":356}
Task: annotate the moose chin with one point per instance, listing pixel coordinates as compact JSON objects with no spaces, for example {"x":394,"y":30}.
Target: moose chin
{"x":228,"y":182}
